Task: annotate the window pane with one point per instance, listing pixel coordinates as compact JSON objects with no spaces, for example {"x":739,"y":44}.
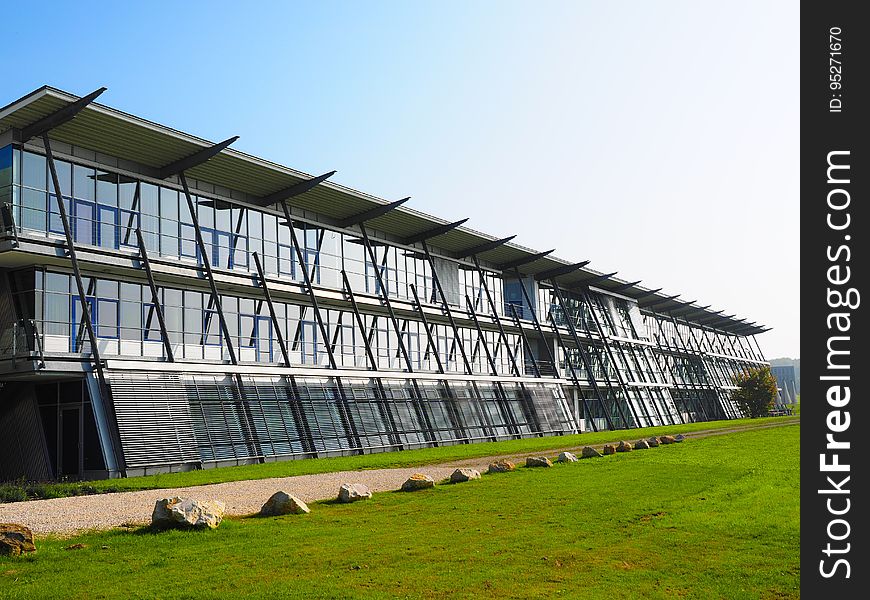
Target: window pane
{"x":83,"y":222}
{"x":107,"y":188}
{"x":107,"y":318}
{"x":148,"y":199}
{"x":84,"y":182}
{"x":126,"y":192}
{"x":33,"y":209}
{"x":5,"y":166}
{"x":33,"y":171}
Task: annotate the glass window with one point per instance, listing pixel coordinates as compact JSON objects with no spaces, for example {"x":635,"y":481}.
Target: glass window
{"x":57,"y":307}
{"x":148,"y":199}
{"x":222,"y":216}
{"x":33,"y":210}
{"x":211,"y":328}
{"x":255,"y":232}
{"x":151,"y":324}
{"x":188,"y":241}
{"x":126,"y":192}
{"x":107,"y":318}
{"x":168,"y":204}
{"x":83,"y":221}
{"x":247,"y":331}
{"x":205,"y":212}
{"x":33,"y":171}
{"x":5,"y":166}
{"x":108,"y":226}
{"x":107,"y":188}
{"x":84,"y":182}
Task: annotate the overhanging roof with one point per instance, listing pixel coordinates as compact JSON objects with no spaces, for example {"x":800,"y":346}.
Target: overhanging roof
{"x":115,"y":133}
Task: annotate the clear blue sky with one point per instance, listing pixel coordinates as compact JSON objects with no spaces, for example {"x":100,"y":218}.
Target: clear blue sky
{"x":658,"y":139}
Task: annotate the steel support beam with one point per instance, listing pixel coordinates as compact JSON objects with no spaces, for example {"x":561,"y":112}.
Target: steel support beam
{"x":588,"y":300}
{"x":650,"y":305}
{"x":503,"y":405}
{"x":431,"y":233}
{"x":485,"y":247}
{"x":251,"y":431}
{"x":626,"y":286}
{"x":206,"y":264}
{"x":457,"y":340}
{"x":597,"y":279}
{"x":455,"y":414}
{"x":576,"y":380}
{"x":261,"y":276}
{"x":385,"y":296}
{"x":155,"y":296}
{"x":445,"y":305}
{"x":344,"y":411}
{"x":197,"y":158}
{"x":531,"y":414}
{"x":306,"y":437}
{"x":294,"y":190}
{"x":585,"y":358}
{"x":703,"y":367}
{"x":537,"y":324}
{"x":698,"y":403}
{"x":560,"y":270}
{"x":495,"y":316}
{"x":526,"y":342}
{"x":371,"y":213}
{"x":105,"y":393}
{"x":58,"y":117}
{"x":647,"y":294}
{"x":525,"y":260}
{"x":619,"y":347}
{"x":383,"y":405}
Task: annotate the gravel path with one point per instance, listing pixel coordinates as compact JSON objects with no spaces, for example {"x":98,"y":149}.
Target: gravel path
{"x":66,"y":516}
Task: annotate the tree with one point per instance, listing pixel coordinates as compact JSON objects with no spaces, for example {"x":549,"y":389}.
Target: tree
{"x":756,"y":391}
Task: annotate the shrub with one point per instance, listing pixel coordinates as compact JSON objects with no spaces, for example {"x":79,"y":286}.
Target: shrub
{"x":756,"y":391}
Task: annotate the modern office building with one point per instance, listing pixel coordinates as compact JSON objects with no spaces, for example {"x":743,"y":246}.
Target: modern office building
{"x":167,"y":303}
{"x":786,"y":381}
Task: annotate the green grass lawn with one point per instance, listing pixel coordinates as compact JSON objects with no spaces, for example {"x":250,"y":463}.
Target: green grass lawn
{"x":716,"y":517}
{"x":17,"y":491}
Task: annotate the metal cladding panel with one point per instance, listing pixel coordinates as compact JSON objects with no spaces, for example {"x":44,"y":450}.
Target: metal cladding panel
{"x":154,"y":419}
{"x":23,"y":453}
{"x":167,"y":419}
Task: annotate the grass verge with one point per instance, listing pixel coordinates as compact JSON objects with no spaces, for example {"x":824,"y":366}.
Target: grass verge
{"x":712,"y":517}
{"x":20,"y":490}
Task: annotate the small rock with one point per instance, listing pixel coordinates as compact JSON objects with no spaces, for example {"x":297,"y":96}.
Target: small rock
{"x":566,"y":457}
{"x":667,"y":439}
{"x":463,"y":475}
{"x":609,"y":449}
{"x":182,"y":512}
{"x":590,"y":452}
{"x":15,"y":539}
{"x":624,"y":447}
{"x":653,"y":442}
{"x":351,"y":492}
{"x":501,"y":466}
{"x":538,"y":461}
{"x":76,"y":547}
{"x":282,"y":503}
{"x":679,"y":438}
{"x":641,"y":445}
{"x":418,"y":481}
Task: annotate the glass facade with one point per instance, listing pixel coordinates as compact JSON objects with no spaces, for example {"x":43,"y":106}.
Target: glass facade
{"x":623,"y":367}
{"x":126,"y":324}
{"x":105,"y":209}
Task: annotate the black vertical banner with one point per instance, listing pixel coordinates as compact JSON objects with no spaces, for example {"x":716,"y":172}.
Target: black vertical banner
{"x":835,"y":425}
